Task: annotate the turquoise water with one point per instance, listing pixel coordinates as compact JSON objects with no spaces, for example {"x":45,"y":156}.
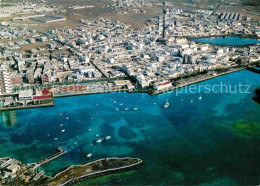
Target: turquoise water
{"x":189,"y":143}
{"x":229,"y":40}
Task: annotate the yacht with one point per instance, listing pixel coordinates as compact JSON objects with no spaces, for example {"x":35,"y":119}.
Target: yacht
{"x":108,"y":137}
{"x":167,"y":104}
{"x":99,"y":140}
{"x":63,"y":130}
{"x":200,"y":98}
{"x":135,"y":108}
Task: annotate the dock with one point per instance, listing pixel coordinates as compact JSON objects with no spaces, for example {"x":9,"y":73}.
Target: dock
{"x":60,"y":153}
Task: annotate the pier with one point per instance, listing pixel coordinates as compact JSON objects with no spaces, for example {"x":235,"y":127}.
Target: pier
{"x":60,"y":152}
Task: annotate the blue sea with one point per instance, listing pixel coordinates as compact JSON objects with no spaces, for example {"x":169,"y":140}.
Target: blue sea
{"x":227,"y":41}
{"x":191,"y":142}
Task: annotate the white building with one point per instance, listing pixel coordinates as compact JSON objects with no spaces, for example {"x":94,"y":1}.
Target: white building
{"x":162,"y":85}
{"x":142,"y":81}
{"x":5,"y":82}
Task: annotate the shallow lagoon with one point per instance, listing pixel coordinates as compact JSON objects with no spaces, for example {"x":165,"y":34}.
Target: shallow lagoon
{"x":189,"y":143}
{"x":228,"y":40}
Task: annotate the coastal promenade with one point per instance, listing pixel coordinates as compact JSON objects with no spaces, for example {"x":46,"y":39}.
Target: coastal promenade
{"x":58,"y":95}
{"x":26,"y":107}
{"x":193,"y":80}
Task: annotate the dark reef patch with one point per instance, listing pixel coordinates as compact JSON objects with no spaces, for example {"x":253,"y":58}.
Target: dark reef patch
{"x":126,"y":132}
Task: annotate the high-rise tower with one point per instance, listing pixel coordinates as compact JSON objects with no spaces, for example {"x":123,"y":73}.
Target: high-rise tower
{"x":5,"y":82}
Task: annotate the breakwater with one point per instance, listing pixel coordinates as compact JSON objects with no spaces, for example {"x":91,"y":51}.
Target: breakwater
{"x":98,"y":168}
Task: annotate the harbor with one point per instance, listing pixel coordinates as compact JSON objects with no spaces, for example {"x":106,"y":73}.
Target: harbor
{"x":60,"y":153}
{"x":152,"y":133}
{"x":14,"y":172}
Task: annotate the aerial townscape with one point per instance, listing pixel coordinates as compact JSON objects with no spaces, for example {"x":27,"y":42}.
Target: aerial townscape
{"x":54,"y":49}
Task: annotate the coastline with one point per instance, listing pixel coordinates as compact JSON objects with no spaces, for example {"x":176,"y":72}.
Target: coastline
{"x":148,"y":91}
{"x":226,"y":35}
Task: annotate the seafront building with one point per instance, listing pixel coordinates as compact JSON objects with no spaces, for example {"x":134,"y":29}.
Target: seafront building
{"x":5,"y":82}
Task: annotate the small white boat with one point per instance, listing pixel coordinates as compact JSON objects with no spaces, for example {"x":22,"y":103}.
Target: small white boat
{"x":97,"y":135}
{"x":60,"y":114}
{"x":135,"y":108}
{"x":89,"y":129}
{"x":126,"y":108}
{"x":114,"y":101}
{"x":167,"y":104}
{"x":55,"y":138}
{"x":97,"y":104}
{"x":121,"y":104}
{"x":117,"y":109}
{"x":67,"y":117}
{"x":154,"y":103}
{"x":99,"y":140}
{"x":181,"y":99}
{"x":108,"y":137}
{"x":92,"y":118}
{"x":200,"y":98}
{"x":191,"y":101}
{"x":63,"y":130}
{"x":61,"y":125}
{"x":89,"y":155}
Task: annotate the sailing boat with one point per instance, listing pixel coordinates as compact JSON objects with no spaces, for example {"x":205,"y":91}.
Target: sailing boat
{"x":167,"y":104}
